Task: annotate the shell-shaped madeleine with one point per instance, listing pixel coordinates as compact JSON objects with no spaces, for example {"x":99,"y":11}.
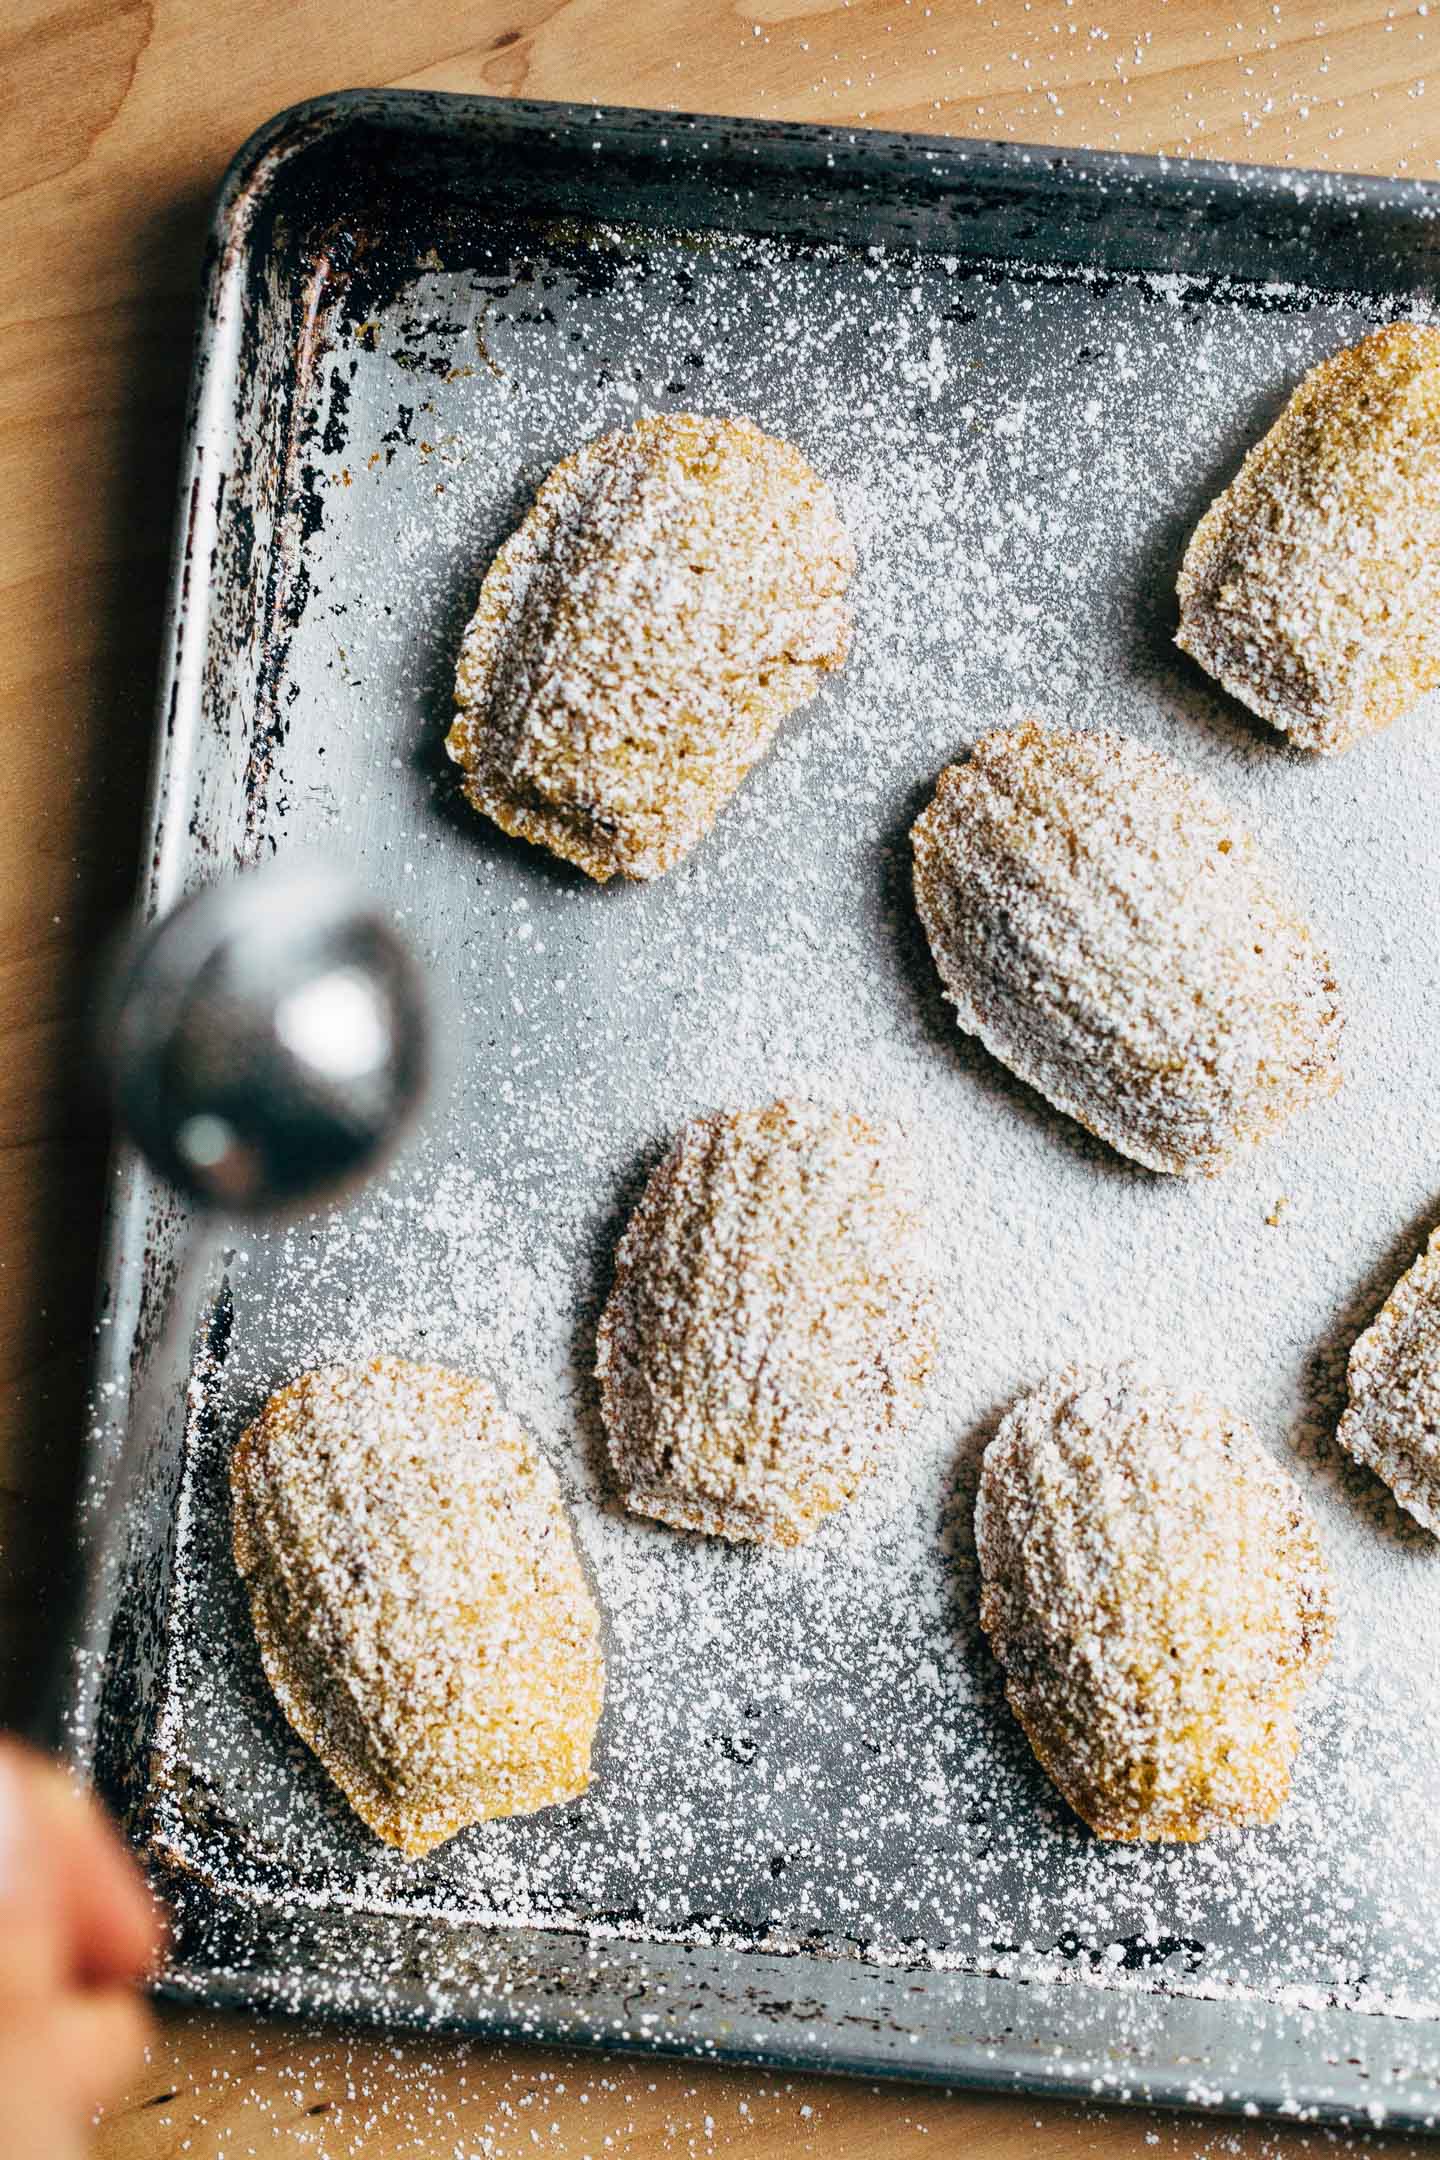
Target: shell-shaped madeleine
{"x":675,"y":590}
{"x":768,"y":1333}
{"x":1154,"y":1588}
{"x":1311,"y":586}
{"x":1112,"y":934}
{"x":1393,"y":1419}
{"x":417,"y":1599}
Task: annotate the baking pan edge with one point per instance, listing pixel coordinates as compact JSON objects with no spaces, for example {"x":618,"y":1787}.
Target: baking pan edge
{"x":1025,"y":2039}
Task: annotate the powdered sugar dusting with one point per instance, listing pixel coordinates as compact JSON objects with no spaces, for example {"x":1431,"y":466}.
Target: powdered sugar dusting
{"x":1154,"y":1588}
{"x":810,"y":1748}
{"x":675,"y":590}
{"x":416,"y":1598}
{"x":1309,"y":588}
{"x":1110,"y":931}
{"x":767,"y":1340}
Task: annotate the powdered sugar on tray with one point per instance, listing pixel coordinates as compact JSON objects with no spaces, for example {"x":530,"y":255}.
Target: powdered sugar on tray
{"x":811,"y":1748}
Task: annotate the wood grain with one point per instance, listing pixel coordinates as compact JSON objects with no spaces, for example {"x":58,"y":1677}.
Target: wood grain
{"x":116,"y":120}
{"x":221,"y":2087}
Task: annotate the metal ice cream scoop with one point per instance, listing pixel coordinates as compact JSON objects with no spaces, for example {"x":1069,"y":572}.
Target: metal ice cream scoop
{"x":267,"y":1040}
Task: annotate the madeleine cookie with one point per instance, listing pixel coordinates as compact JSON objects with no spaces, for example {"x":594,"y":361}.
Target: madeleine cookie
{"x":768,"y":1334}
{"x":1154,"y":1589}
{"x":675,"y":590}
{"x":1311,"y":587}
{"x":1393,"y":1420}
{"x":417,"y":1599}
{"x":1112,"y":934}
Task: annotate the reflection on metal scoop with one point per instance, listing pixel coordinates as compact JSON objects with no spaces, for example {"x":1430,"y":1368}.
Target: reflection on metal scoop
{"x":267,"y":1044}
{"x":267,"y":1041}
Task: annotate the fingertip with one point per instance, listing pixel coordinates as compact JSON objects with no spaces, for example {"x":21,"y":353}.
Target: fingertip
{"x":62,"y":1858}
{"x":16,"y":1773}
{"x":119,"y":1928}
{"x":64,"y":2059}
{"x":101,"y":2041}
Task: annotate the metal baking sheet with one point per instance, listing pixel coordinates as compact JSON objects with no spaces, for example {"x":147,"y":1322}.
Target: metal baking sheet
{"x":814,"y":1835}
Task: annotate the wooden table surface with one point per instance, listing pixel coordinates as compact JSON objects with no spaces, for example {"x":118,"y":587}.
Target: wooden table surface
{"x":116,"y":120}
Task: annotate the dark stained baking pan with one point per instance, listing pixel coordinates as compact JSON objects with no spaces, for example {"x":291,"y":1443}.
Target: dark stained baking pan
{"x":814,"y":1836}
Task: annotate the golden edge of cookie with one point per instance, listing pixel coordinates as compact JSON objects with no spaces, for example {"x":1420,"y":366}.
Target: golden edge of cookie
{"x":928,"y":877}
{"x":538,"y":822}
{"x":1106,"y":1812}
{"x":413,"y":1831}
{"x":570,"y":836}
{"x":742,"y":1522}
{"x":1365,"y":1369}
{"x":1166,"y":1162}
{"x":566,"y":833}
{"x":1107,"y":1817}
{"x":916,"y":1342}
{"x":1202,"y":1161}
{"x":1324,"y":733}
{"x":1321,"y":734}
{"x":1410,"y":1492}
{"x":543,"y":826}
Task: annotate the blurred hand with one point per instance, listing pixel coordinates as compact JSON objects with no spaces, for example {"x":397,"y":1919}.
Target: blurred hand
{"x":77,"y":1929}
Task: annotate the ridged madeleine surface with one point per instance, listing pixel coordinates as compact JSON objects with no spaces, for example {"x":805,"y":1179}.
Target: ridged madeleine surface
{"x":420,"y":1610}
{"x":768,"y":1334}
{"x":1155,"y":1591}
{"x":1393,"y":1420}
{"x":675,"y":590}
{"x":1112,"y":934}
{"x":1311,"y":587}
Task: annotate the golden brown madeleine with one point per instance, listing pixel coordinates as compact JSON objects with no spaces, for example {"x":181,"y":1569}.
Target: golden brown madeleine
{"x":675,"y":590}
{"x":1154,"y":1589}
{"x":769,"y":1330}
{"x":1311,"y":587}
{"x":420,"y":1610}
{"x":1112,"y":934}
{"x":1393,"y":1421}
